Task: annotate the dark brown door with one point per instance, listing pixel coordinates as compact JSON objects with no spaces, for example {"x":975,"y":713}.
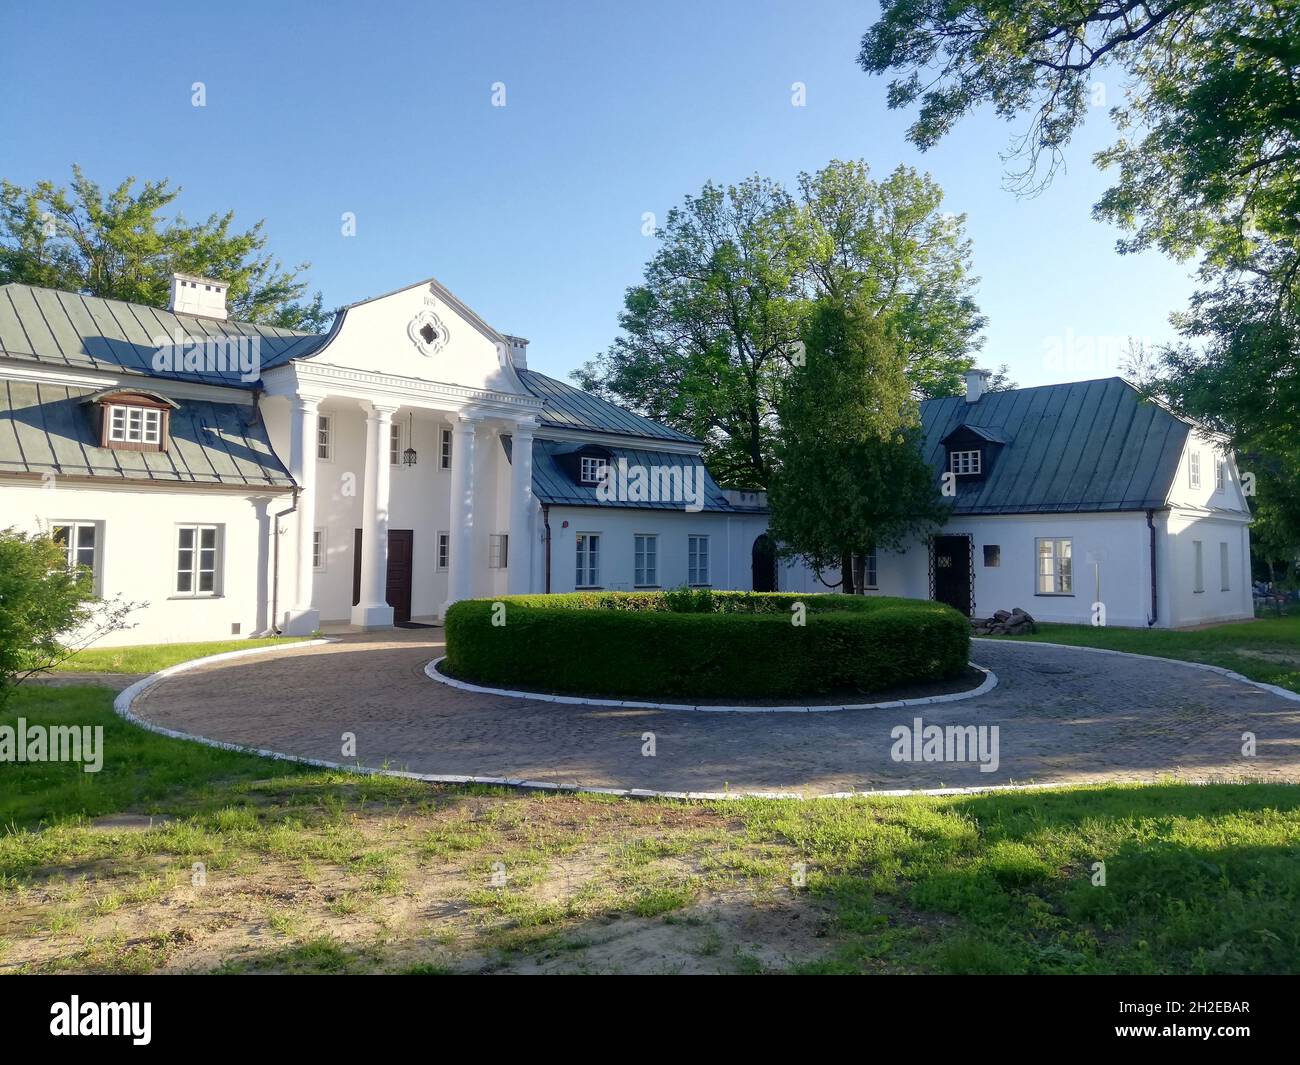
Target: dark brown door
{"x":952,"y":572}
{"x":397,"y":590}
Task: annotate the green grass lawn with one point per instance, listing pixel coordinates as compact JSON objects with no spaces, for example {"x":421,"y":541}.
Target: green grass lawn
{"x":151,"y":658}
{"x":1267,"y":649}
{"x":312,"y":871}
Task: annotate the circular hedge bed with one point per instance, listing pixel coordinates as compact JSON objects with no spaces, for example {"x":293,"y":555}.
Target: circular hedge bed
{"x":703,"y":644}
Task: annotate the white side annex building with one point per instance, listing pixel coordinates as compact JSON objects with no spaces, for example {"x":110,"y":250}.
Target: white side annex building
{"x":269,"y":480}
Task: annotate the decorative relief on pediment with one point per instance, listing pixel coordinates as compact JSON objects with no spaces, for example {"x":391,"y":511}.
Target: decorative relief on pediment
{"x":426,"y":330}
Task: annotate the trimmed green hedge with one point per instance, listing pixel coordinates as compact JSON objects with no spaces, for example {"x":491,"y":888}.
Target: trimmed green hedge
{"x":705,"y":645}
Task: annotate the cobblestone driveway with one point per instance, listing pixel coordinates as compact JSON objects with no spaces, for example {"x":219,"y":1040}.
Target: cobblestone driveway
{"x":1063,"y":715}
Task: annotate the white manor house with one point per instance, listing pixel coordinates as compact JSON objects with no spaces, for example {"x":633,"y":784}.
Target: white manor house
{"x":269,"y":480}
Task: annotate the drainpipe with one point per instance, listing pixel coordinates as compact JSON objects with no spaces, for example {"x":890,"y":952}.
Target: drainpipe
{"x":546,"y":524}
{"x":1151,"y":525}
{"x":275,"y":565}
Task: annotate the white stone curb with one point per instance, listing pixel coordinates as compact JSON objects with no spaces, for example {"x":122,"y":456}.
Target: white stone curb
{"x":989,"y":683}
{"x":1285,"y":693}
{"x":122,"y":705}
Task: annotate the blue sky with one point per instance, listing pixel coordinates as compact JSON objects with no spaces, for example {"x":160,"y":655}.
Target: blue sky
{"x":532,"y":212}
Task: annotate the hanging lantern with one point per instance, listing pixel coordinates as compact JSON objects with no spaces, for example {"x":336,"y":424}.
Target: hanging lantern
{"x":409,"y":456}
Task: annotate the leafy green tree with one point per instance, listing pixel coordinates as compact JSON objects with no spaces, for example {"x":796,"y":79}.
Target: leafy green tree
{"x":1205,"y":163}
{"x":849,"y":473}
{"x":47,"y":611}
{"x":711,"y":333}
{"x":121,"y":245}
{"x":890,"y":246}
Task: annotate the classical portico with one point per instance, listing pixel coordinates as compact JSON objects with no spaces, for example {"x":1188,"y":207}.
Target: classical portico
{"x":464,"y":507}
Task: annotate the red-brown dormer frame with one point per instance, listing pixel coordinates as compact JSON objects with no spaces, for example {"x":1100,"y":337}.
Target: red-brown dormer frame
{"x":132,"y":397}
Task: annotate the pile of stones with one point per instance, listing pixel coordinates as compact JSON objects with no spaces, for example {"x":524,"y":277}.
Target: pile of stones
{"x":1015,"y":622}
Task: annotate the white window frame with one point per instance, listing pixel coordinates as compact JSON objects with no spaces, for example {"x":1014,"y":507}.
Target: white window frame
{"x":72,"y":548}
{"x":1198,"y":567}
{"x":871,"y":568}
{"x":591,"y":463}
{"x":1194,"y":469}
{"x":445,"y":439}
{"x":697,"y":562}
{"x":1225,"y":581}
{"x":963,"y":463}
{"x":498,"y":551}
{"x":645,"y":560}
{"x":395,"y":444}
{"x":1062,"y":551}
{"x":318,"y":550}
{"x":196,"y":568}
{"x":1220,"y":475}
{"x":443,"y":541}
{"x":325,"y":437}
{"x":586,"y":547}
{"x":138,"y":425}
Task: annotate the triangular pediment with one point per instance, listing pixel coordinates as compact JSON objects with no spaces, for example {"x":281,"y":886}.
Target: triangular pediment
{"x":423,"y":332}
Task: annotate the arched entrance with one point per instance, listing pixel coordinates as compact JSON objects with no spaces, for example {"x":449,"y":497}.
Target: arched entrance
{"x":764,"y":564}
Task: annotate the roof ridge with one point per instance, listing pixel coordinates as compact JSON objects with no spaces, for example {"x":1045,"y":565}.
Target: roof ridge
{"x":149,"y":306}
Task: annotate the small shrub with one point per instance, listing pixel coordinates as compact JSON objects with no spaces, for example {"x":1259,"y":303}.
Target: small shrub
{"x":650,"y":645}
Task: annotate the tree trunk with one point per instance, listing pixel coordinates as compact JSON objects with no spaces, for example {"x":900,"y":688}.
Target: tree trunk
{"x":860,"y":574}
{"x":846,"y":574}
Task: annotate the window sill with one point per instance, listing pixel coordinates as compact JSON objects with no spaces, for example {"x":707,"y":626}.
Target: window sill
{"x":1054,"y":595}
{"x":588,"y":588}
{"x":646,"y":587}
{"x":192,"y":598}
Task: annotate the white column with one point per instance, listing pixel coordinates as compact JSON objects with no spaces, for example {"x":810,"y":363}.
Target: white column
{"x":520,"y":577}
{"x":372,"y":610}
{"x":300,"y":619}
{"x":460,"y":579}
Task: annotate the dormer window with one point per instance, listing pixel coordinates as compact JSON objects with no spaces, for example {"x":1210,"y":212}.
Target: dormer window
{"x":964,"y":462}
{"x":134,"y":425}
{"x":592,"y":469}
{"x":131,"y":420}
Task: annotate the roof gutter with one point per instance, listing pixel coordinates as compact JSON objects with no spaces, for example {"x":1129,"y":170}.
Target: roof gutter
{"x":546,"y":524}
{"x":1151,"y":527}
{"x":275,"y":564}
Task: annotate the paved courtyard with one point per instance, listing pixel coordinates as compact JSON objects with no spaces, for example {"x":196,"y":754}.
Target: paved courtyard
{"x":1063,"y":716}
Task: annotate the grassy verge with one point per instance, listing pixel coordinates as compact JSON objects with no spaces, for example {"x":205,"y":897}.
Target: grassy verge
{"x":1266,"y":650}
{"x":263,"y":866}
{"x":153,"y":657}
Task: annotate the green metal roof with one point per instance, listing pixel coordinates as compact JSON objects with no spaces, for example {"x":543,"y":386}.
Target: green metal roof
{"x":57,"y":328}
{"x":566,"y":407}
{"x":49,"y":429}
{"x":1082,"y":446}
{"x":552,"y":485}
